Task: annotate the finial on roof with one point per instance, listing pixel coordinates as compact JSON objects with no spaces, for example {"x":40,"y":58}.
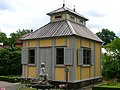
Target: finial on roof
{"x":63,"y":3}
{"x":74,"y":8}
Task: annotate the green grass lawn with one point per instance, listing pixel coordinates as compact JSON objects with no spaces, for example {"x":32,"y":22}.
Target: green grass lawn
{"x":27,"y":89}
{"x":109,"y":84}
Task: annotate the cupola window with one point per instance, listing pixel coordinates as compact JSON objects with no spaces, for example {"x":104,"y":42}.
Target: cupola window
{"x":72,"y":18}
{"x":57,"y":18}
{"x":81,"y":21}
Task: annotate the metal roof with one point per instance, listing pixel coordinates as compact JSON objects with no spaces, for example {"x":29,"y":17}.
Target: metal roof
{"x":83,"y":31}
{"x":63,"y":28}
{"x":65,"y":9}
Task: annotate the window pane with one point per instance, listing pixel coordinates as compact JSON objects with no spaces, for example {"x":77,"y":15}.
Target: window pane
{"x":57,"y":17}
{"x":60,"y":56}
{"x":72,"y":17}
{"x":86,"y":56}
{"x":60,"y":60}
{"x":31,"y":56}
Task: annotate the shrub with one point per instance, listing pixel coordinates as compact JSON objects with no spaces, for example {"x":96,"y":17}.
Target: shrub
{"x":111,"y":60}
{"x":10,"y":61}
{"x":110,"y":67}
{"x":12,"y":79}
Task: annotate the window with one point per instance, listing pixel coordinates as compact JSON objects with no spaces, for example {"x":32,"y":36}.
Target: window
{"x":86,"y":56}
{"x":31,"y":57}
{"x":72,"y":18}
{"x":58,"y":17}
{"x":59,"y":55}
{"x":81,"y":21}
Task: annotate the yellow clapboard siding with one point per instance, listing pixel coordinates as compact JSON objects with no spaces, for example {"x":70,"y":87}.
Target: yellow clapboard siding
{"x":59,"y":73}
{"x":68,"y":42}
{"x":85,"y":43}
{"x":60,"y":41}
{"x":45,"y":42}
{"x":85,"y":72}
{"x":92,"y":72}
{"x":31,"y":71}
{"x":32,"y":43}
{"x":97,"y":59}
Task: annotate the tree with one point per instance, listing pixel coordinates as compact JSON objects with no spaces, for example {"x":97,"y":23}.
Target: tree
{"x":10,"y":61}
{"x":24,"y":31}
{"x":3,"y":38}
{"x":111,"y":60}
{"x":14,"y":36}
{"x":106,"y":36}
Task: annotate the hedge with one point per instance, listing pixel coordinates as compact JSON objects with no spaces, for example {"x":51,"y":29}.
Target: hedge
{"x":12,"y":79}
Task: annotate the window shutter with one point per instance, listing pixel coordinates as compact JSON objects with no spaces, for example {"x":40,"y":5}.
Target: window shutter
{"x":80,"y":56}
{"x":92,"y":57}
{"x":24,"y":56}
{"x":68,"y":56}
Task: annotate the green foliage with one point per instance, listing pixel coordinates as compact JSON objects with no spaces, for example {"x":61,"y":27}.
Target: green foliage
{"x":114,"y":47}
{"x":14,"y":36}
{"x":111,"y":60}
{"x":10,"y":61}
{"x":3,"y":38}
{"x":12,"y":79}
{"x":110,"y":67}
{"x":109,"y":84}
{"x":106,"y":36}
{"x":115,"y":85}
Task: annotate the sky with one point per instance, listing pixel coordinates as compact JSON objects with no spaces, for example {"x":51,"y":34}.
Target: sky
{"x":31,"y":14}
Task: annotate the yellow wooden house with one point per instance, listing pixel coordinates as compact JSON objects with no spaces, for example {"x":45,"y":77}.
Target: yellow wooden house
{"x":64,"y":41}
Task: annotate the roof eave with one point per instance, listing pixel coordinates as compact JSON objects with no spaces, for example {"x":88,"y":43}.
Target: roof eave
{"x":100,"y":41}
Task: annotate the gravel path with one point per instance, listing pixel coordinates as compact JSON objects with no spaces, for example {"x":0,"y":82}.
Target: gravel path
{"x":14,"y":86}
{"x":8,"y":86}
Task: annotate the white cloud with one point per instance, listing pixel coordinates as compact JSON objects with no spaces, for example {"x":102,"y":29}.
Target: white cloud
{"x":28,"y":14}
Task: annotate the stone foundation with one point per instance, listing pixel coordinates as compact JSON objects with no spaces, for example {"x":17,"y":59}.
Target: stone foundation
{"x":72,"y":85}
{"x":77,"y":84}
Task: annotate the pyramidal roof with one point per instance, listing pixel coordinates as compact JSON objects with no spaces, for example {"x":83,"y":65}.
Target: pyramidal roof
{"x":65,"y":9}
{"x":63,"y":28}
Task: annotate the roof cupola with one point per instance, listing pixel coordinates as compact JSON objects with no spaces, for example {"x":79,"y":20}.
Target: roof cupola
{"x":65,"y":13}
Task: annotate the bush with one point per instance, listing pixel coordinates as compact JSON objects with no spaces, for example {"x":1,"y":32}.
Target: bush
{"x":10,"y":61}
{"x":111,"y":60}
{"x":110,"y":67}
{"x":12,"y":79}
